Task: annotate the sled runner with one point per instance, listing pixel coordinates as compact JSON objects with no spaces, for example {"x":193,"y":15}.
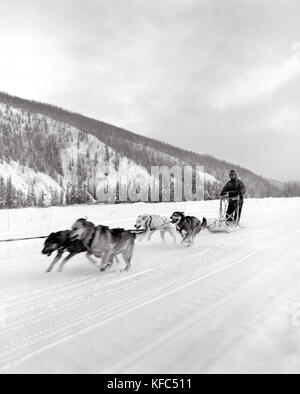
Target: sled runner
{"x":226,"y":222}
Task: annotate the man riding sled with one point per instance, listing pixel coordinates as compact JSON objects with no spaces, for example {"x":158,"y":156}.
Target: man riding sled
{"x":234,"y":190}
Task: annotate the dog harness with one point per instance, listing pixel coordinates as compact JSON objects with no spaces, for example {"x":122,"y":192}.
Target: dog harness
{"x":150,"y":223}
{"x":179,"y":229}
{"x":92,"y":239}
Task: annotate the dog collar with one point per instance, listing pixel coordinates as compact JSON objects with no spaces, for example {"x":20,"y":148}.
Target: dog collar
{"x":179,"y":228}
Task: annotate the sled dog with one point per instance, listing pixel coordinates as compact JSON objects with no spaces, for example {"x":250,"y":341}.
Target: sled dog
{"x":62,"y":243}
{"x":188,"y":227}
{"x":105,"y":243}
{"x":155,"y":223}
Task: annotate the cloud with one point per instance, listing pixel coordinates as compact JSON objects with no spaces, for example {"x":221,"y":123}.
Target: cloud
{"x":283,"y":119}
{"x":259,"y":81}
{"x":165,"y":68}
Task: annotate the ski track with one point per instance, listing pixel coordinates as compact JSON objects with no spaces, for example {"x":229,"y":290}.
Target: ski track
{"x":169,"y":336}
{"x":60,"y":308}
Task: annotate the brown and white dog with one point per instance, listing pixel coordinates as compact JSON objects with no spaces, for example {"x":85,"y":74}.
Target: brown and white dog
{"x":62,"y":242}
{"x":105,"y":243}
{"x":155,"y":223}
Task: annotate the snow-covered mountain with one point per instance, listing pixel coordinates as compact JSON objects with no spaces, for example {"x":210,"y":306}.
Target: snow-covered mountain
{"x":35,"y":185}
{"x":49,"y":156}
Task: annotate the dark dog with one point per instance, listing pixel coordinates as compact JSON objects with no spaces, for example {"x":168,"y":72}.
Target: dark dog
{"x":62,"y":243}
{"x":188,"y":227}
{"x":101,"y":241}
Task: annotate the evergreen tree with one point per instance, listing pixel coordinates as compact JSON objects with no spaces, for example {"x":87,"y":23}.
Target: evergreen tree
{"x":9,"y":198}
{"x":41,"y":200}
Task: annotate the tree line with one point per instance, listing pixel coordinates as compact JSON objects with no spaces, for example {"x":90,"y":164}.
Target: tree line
{"x":291,"y":189}
{"x":27,"y":137}
{"x":146,"y":151}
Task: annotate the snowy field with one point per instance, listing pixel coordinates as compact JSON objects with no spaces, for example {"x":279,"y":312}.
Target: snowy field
{"x":230,"y":304}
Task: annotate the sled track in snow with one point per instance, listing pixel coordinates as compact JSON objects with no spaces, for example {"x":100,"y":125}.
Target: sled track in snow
{"x":37,"y":323}
{"x":201,"y":319}
{"x":31,"y":251}
{"x":84,"y":283}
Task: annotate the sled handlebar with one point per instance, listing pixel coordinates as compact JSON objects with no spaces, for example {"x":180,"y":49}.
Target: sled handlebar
{"x":226,"y":197}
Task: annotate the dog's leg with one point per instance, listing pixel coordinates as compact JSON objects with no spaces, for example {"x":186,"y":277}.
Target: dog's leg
{"x":90,"y":258}
{"x":184,"y":236}
{"x":111,"y":262}
{"x":184,"y":242}
{"x":150,"y":235}
{"x":172,"y":234}
{"x":196,"y":231}
{"x":105,"y":261}
{"x":55,"y":261}
{"x":187,"y":241}
{"x":61,"y":267}
{"x":127,"y":256}
{"x":117,"y":260}
{"x":162,"y":234}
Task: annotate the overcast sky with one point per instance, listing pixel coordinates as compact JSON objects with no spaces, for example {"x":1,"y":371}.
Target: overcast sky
{"x":219,"y":77}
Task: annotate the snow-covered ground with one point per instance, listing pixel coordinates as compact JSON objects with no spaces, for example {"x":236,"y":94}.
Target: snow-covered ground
{"x":229,"y":304}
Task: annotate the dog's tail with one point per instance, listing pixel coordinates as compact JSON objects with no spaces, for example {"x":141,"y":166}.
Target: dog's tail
{"x":204,"y":223}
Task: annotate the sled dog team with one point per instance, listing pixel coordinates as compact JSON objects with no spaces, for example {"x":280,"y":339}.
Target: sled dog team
{"x":107,"y":244}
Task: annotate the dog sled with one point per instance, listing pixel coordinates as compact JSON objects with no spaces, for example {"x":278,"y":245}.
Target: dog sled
{"x":227,"y":223}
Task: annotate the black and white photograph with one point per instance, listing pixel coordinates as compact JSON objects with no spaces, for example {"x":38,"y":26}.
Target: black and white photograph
{"x":149,"y":189}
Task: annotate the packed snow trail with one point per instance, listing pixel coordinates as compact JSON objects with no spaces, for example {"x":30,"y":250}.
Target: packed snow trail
{"x":228,"y":304}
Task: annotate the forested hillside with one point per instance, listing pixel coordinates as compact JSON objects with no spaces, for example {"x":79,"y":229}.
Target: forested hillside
{"x":68,"y":148}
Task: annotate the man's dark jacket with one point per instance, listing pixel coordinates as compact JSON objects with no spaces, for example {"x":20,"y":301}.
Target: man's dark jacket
{"x":234,"y":189}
